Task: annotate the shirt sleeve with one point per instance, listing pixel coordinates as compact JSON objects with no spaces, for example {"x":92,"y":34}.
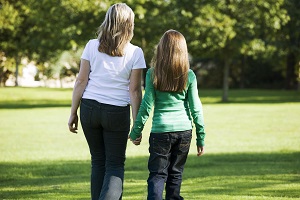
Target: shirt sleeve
{"x":139,"y":62}
{"x":86,"y":52}
{"x":145,"y":108}
{"x":196,"y":109}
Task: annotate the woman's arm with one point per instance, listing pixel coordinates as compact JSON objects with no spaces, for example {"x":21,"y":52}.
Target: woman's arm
{"x":135,"y":91}
{"x":80,"y":85}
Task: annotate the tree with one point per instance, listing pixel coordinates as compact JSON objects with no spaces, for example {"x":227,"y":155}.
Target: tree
{"x":228,"y":33}
{"x":290,"y":41}
{"x":151,"y":21}
{"x":227,"y":30}
{"x":42,"y":30}
{"x":13,"y":33}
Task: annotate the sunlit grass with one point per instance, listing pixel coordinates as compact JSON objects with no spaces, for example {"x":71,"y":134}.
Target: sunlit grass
{"x":39,"y":134}
{"x":252,"y":148}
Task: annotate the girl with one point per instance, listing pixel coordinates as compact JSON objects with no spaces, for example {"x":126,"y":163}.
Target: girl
{"x":171,"y":87}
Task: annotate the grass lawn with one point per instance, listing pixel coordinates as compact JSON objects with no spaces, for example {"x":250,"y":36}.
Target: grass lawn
{"x":252,"y":148}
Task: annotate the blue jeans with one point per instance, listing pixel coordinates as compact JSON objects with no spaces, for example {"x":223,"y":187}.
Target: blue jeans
{"x":168,"y":154}
{"x":106,"y":129}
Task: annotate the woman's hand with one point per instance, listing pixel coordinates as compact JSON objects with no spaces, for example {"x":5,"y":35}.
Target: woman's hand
{"x":73,"y":123}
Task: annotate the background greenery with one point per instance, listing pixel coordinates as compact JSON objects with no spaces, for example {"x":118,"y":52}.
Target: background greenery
{"x":252,"y":148}
{"x":232,"y":43}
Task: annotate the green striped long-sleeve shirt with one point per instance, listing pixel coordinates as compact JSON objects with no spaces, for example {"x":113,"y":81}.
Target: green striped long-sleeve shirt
{"x":173,"y":111}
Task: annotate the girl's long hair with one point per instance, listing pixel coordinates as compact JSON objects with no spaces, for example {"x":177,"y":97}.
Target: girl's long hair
{"x":116,"y":30}
{"x":171,"y":63}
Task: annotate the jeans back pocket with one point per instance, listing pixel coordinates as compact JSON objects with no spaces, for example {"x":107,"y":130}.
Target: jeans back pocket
{"x":85,"y":113}
{"x":118,"y":120}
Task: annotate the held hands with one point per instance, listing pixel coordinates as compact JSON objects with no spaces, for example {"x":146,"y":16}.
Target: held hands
{"x":200,"y":150}
{"x":73,"y":123}
{"x":137,"y":141}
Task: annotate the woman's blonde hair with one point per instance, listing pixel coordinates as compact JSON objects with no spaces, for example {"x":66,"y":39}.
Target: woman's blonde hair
{"x":171,"y":63}
{"x":116,"y":30}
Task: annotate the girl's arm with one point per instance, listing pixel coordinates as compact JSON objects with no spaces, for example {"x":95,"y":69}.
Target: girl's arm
{"x":196,"y":112}
{"x":144,"y":110}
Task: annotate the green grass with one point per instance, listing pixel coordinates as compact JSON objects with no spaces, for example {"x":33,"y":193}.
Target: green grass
{"x":252,"y":148}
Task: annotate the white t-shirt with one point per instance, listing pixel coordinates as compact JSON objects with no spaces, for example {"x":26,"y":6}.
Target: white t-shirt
{"x":109,"y":76}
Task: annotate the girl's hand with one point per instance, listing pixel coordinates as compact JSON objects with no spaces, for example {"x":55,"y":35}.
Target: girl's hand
{"x":200,"y":151}
{"x":137,"y":141}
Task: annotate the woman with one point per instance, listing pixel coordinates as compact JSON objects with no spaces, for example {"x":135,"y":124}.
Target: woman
{"x":171,"y":87}
{"x":108,"y":81}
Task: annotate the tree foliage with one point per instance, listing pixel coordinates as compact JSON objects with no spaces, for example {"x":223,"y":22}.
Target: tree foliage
{"x":227,"y":35}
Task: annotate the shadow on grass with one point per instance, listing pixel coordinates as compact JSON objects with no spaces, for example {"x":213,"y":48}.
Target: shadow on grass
{"x":251,"y":96}
{"x":22,"y":97}
{"x":70,"y":179}
{"x":34,"y":103}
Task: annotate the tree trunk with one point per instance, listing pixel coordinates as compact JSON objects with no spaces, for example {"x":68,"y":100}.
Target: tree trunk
{"x":298,"y":80}
{"x":291,"y":76}
{"x":17,"y":70}
{"x":242,"y":74}
{"x":61,"y":82}
{"x":225,"y":81}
